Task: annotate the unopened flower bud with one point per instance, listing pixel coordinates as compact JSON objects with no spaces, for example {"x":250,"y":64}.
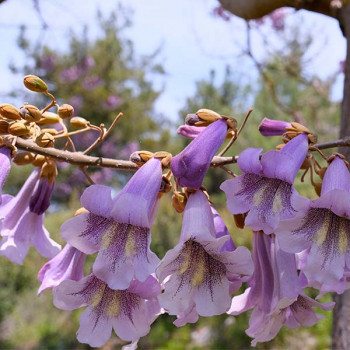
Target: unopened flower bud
{"x":48,"y":118}
{"x":65,"y":111}
{"x":18,"y":128}
{"x":179,"y":201}
{"x":80,"y":211}
{"x":45,"y":140}
{"x":140,"y":157}
{"x":23,"y":158}
{"x":39,"y":160}
{"x":10,"y":112}
{"x":192,"y":119}
{"x":34,"y":83}
{"x":51,"y":131}
{"x":4,"y":125}
{"x":208,"y":115}
{"x":79,"y":122}
{"x":30,"y":113}
{"x":165,"y":157}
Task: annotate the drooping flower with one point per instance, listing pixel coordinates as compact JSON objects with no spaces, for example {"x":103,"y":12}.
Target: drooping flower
{"x":129,"y":312}
{"x":270,"y":127}
{"x":21,"y":223}
{"x":266,"y":187}
{"x":5,"y":166}
{"x":274,"y":293}
{"x":191,"y":165}
{"x":323,"y":228}
{"x":119,"y":229}
{"x":66,"y":265}
{"x":196,"y":273}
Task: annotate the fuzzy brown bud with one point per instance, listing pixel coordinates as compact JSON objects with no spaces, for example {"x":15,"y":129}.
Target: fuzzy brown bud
{"x":45,"y":140}
{"x":165,"y":158}
{"x":48,"y":118}
{"x":49,"y":170}
{"x":23,"y":158}
{"x":179,"y":201}
{"x":208,"y":115}
{"x":140,"y":157}
{"x":18,"y":128}
{"x":51,"y":131}
{"x":34,"y":83}
{"x":39,"y":160}
{"x":65,"y":111}
{"x":4,"y":125}
{"x":79,"y":122}
{"x":30,"y":113}
{"x":10,"y":112}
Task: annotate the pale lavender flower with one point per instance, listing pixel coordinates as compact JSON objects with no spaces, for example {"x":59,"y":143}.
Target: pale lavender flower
{"x":266,"y":187}
{"x":92,"y":82}
{"x":47,"y":62}
{"x":66,"y":265}
{"x":191,"y":165}
{"x":112,"y":102}
{"x":323,"y":228}
{"x":76,"y":102}
{"x":128,"y":149}
{"x":70,"y":74}
{"x":278,"y":19}
{"x":190,"y":131}
{"x":274,"y":293}
{"x":5,"y":166}
{"x":22,"y":226}
{"x":270,"y":127}
{"x":119,"y":229}
{"x":129,"y":312}
{"x":196,"y":273}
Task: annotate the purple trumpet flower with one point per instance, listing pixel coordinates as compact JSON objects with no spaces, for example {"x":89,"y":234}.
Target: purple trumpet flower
{"x":5,"y":166}
{"x":191,"y":165}
{"x":22,"y":226}
{"x":119,"y":229}
{"x":270,"y":127}
{"x":274,"y":293}
{"x":196,"y":273}
{"x":66,"y":265}
{"x":323,"y":228}
{"x":190,"y":131}
{"x":129,"y":312}
{"x":266,"y":187}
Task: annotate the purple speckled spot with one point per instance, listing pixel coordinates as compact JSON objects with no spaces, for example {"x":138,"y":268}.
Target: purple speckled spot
{"x":327,"y":229}
{"x":195,"y":266}
{"x":96,"y":227}
{"x":268,"y":195}
{"x":122,"y":241}
{"x":107,"y":303}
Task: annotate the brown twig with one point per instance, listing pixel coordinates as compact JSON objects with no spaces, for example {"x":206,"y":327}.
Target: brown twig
{"x":78,"y":158}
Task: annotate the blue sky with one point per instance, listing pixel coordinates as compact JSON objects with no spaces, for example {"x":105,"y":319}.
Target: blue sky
{"x":193,"y":42}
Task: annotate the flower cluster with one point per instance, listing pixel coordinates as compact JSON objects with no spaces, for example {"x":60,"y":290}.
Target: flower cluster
{"x":297,"y":242}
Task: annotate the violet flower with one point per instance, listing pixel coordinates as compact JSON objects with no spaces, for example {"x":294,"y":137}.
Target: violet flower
{"x":190,"y":131}
{"x":119,"y":229}
{"x":274,"y":293}
{"x":5,"y":166}
{"x":129,"y":312}
{"x":66,"y":265}
{"x":22,"y":225}
{"x":266,"y":187}
{"x":196,"y":272}
{"x":270,"y":127}
{"x":191,"y":165}
{"x":323,"y":228}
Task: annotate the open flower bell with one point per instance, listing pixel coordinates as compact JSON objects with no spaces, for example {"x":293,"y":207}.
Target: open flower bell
{"x":196,"y":273}
{"x":119,"y":228}
{"x":266,"y":187}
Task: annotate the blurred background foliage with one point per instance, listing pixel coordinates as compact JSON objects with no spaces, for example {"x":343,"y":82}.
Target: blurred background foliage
{"x":103,"y":77}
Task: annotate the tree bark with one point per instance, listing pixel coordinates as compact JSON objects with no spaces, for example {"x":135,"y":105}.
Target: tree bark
{"x":252,"y":9}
